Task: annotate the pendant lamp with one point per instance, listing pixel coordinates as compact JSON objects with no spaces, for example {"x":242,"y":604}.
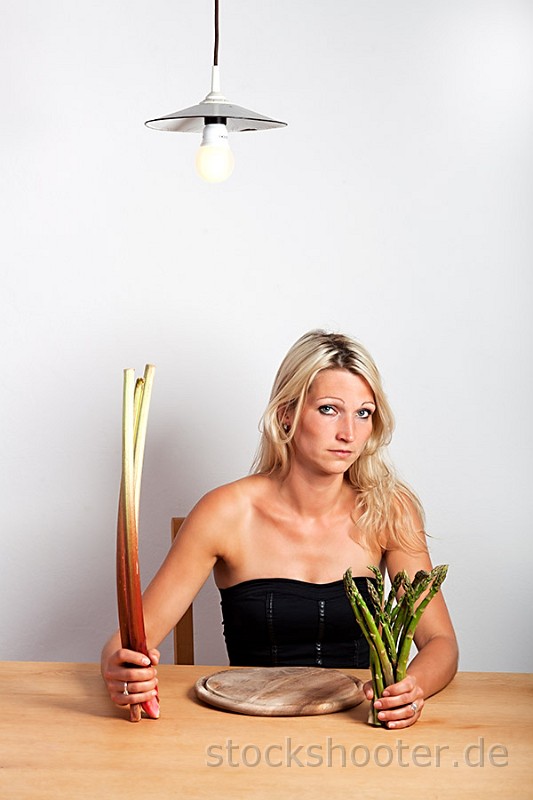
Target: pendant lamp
{"x":214,"y":116}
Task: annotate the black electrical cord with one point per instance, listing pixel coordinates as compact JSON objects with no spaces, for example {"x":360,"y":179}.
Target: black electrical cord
{"x":215,"y":55}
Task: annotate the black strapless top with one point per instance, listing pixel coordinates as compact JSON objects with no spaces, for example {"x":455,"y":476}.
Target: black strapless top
{"x":283,"y":622}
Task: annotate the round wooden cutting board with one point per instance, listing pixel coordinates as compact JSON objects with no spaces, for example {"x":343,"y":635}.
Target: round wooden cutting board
{"x":280,"y":691}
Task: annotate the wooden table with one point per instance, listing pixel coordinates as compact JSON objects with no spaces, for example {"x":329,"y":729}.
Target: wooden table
{"x":60,"y":737}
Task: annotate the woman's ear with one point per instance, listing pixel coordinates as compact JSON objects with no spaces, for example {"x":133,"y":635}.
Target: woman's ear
{"x":286,"y":416}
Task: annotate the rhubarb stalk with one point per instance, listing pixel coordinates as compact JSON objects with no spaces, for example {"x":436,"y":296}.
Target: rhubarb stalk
{"x":135,"y":405}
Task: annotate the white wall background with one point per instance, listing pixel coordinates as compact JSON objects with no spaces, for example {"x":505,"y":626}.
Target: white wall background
{"x":395,"y":207}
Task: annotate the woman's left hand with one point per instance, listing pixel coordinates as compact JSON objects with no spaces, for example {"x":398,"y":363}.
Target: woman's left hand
{"x":401,"y":704}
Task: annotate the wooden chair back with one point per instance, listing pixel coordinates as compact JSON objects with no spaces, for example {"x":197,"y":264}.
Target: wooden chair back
{"x":183,"y":632}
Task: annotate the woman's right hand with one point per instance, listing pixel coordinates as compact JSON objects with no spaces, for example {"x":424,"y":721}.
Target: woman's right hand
{"x":126,"y":669}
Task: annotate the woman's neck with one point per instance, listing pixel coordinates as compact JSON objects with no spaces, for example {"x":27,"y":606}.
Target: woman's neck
{"x":315,"y":496}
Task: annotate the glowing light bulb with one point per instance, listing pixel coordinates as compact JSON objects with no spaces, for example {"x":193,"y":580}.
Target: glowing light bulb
{"x":214,"y":159}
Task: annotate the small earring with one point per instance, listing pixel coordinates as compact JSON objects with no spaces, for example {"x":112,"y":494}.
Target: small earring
{"x":286,"y":427}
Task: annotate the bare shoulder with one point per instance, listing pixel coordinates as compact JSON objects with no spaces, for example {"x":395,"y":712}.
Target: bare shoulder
{"x":227,"y":508}
{"x":231,"y":498}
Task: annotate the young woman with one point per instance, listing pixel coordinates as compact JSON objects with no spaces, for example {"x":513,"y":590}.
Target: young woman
{"x":321,"y":498}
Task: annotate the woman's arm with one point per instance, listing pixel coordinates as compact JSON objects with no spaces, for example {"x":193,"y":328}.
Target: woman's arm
{"x":436,"y":661}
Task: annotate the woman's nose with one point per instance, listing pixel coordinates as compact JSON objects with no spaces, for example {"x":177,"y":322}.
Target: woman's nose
{"x":346,"y":430}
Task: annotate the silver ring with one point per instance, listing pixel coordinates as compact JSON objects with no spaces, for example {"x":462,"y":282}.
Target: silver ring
{"x":125,"y":692}
{"x":414,"y":707}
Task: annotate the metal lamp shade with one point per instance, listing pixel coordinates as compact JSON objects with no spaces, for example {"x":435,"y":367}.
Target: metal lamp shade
{"x":193,"y":119}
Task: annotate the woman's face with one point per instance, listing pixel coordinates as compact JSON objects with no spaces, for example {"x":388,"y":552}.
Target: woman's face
{"x":336,"y":422}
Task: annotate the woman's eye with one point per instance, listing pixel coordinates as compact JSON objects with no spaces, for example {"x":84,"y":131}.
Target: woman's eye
{"x":326,"y":409}
{"x":364,"y":413}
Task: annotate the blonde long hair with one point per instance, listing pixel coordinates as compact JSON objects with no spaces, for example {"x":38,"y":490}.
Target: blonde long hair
{"x":385,"y":505}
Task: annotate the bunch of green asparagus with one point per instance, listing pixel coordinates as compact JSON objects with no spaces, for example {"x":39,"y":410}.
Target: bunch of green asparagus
{"x":390,"y":627}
